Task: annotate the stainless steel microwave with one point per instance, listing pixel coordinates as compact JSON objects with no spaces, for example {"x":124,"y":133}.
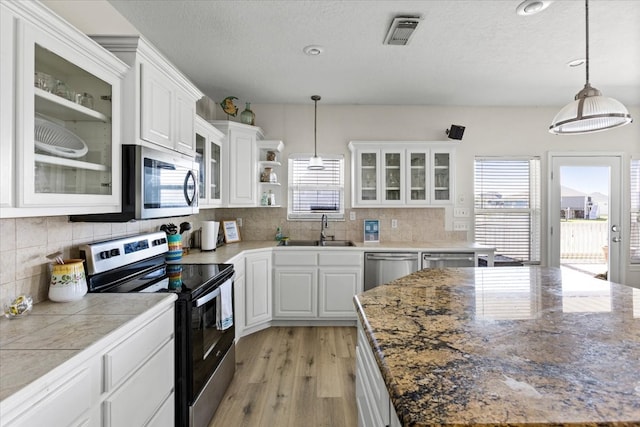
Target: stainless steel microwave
{"x":155,"y":184}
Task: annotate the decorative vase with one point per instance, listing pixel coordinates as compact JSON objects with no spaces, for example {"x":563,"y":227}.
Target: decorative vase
{"x":68,"y":282}
{"x":247,"y":117}
{"x":174,"y":242}
{"x":266,"y":175}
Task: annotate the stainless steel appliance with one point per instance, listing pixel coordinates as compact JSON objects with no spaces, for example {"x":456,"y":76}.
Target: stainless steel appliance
{"x":448,"y":259}
{"x":155,"y":184}
{"x":383,"y":267}
{"x":205,"y":349}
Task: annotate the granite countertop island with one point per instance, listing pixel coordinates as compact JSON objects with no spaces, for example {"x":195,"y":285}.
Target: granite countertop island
{"x":517,"y":346}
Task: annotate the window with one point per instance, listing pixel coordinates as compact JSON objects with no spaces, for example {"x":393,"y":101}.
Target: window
{"x":634,"y":229}
{"x":507,"y":206}
{"x":314,"y":193}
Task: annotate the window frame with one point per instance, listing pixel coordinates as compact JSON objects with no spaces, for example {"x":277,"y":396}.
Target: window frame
{"x":534,"y":209}
{"x":292,"y":215}
{"x":634,"y":210}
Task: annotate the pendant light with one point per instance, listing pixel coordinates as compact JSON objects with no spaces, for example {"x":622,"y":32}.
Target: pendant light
{"x":315,"y":162}
{"x":590,"y":112}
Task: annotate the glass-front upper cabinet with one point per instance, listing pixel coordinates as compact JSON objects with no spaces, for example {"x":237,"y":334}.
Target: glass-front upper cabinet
{"x":417,"y":176}
{"x":402,"y":173}
{"x":368,"y":165}
{"x":208,"y":156}
{"x":442,"y":177}
{"x":393,"y":180}
{"x":68,"y":120}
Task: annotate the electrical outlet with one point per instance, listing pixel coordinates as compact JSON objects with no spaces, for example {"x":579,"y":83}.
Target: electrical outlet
{"x":461,"y":212}
{"x":352,"y":216}
{"x":394,"y":223}
{"x":461,"y":225}
{"x":239,"y":221}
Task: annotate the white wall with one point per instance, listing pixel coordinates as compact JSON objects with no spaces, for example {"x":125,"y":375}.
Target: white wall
{"x":489,"y":131}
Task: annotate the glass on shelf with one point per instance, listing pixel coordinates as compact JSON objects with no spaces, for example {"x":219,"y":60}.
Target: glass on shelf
{"x":441,"y":159}
{"x":368,"y":159}
{"x":392,"y":159}
{"x":418,"y":160}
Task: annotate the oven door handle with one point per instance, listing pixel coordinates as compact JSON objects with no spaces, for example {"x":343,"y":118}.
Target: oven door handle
{"x":206,"y":298}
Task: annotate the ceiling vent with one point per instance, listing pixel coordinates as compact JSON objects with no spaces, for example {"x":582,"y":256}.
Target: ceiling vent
{"x":401,"y":30}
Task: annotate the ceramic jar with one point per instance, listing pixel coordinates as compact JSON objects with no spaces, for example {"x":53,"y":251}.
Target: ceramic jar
{"x":68,"y":282}
{"x":247,"y":116}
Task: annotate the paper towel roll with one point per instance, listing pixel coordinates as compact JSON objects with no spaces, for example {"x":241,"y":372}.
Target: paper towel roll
{"x":209,"y":235}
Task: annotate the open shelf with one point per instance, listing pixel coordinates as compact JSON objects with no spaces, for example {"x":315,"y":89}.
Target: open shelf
{"x":62,"y":109}
{"x":76,"y":164}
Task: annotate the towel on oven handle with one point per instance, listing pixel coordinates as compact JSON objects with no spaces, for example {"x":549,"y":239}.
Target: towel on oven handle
{"x":224,"y":306}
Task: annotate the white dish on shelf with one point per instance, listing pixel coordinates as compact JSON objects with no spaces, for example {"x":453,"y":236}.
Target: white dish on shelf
{"x":55,"y":139}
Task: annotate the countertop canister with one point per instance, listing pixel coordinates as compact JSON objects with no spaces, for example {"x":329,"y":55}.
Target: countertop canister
{"x":68,"y":282}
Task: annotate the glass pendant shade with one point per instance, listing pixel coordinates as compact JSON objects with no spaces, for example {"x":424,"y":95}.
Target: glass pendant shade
{"x":590,"y":112}
{"x":315,"y":164}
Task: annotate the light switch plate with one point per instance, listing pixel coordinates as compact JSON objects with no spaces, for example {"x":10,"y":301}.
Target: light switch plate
{"x":461,"y":225}
{"x":352,"y":216}
{"x":461,"y":212}
{"x":239,"y":222}
{"x":394,"y":223}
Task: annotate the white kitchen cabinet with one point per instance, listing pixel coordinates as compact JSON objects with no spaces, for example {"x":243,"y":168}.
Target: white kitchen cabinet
{"x":316,"y":284}
{"x":295,"y":292}
{"x":269,"y":185}
{"x":61,"y":116}
{"x":258,"y":291}
{"x":126,"y":378}
{"x":372,"y":398}
{"x":337,"y":286}
{"x":401,"y":174}
{"x":240,"y":177}
{"x":160,"y":104}
{"x":238,"y":294}
{"x":208,"y":155}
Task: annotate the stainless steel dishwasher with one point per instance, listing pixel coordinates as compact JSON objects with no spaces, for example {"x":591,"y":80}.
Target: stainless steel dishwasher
{"x":448,"y":259}
{"x":383,"y":267}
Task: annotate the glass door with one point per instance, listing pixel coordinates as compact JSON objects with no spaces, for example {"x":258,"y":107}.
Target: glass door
{"x":70,"y":127}
{"x":214,"y":167}
{"x":417,"y":174}
{"x":201,"y":158}
{"x":441,"y":177}
{"x":392,"y":176}
{"x":368,"y":176}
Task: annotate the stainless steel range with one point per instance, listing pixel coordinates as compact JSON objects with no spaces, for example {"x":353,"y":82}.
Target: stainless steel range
{"x":204,"y":329}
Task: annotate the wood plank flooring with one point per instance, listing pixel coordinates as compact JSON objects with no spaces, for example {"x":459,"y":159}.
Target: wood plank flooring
{"x":292,"y":376}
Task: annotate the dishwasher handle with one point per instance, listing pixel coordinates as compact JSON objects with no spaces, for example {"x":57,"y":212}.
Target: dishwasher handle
{"x":392,"y":256}
{"x":448,"y":258}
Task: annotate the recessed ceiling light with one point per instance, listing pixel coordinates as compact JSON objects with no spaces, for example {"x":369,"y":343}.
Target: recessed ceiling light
{"x":313,"y":50}
{"x":531,"y":7}
{"x":576,"y":62}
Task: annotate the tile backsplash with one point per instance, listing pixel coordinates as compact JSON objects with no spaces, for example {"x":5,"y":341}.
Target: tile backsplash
{"x":25,"y":242}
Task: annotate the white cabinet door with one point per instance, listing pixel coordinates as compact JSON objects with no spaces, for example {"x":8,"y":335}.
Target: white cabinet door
{"x":208,"y":148}
{"x":7,"y":108}
{"x":367,"y":180}
{"x":296,"y":291}
{"x":336,"y":291}
{"x":258,"y":292}
{"x":242,"y":178}
{"x":442,"y":173}
{"x":156,"y":107}
{"x":392,"y":178}
{"x":185,"y":117}
{"x":418,"y":177}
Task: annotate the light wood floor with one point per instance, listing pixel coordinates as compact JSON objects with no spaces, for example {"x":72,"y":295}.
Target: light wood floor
{"x":292,"y":376}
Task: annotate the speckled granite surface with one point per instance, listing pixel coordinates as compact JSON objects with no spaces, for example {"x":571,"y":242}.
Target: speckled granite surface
{"x":517,"y":346}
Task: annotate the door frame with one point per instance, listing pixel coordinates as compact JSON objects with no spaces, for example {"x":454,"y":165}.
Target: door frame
{"x":616,"y":270}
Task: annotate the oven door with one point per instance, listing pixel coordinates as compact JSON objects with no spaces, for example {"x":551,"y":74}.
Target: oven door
{"x":210,"y":343}
{"x":169,"y":184}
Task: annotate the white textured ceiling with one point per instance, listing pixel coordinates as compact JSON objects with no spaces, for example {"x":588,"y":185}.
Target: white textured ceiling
{"x":477,"y":52}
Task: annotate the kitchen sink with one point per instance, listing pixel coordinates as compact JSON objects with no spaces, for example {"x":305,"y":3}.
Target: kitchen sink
{"x":326,"y":243}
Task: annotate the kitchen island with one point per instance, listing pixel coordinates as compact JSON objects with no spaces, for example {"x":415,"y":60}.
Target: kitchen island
{"x":505,"y":346}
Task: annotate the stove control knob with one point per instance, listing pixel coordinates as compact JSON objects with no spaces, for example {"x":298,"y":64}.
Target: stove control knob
{"x":105,"y":255}
{"x":115,"y":252}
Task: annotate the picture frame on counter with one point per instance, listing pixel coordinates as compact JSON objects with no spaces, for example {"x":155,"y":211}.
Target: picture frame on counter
{"x":231,"y":232}
{"x":371,"y":231}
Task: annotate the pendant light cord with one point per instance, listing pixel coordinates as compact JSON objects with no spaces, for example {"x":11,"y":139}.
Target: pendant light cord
{"x":586,"y":14}
{"x":315,"y":129}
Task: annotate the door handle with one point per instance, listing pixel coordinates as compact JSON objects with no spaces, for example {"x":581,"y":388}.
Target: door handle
{"x":616,"y":239}
{"x":614,"y":228}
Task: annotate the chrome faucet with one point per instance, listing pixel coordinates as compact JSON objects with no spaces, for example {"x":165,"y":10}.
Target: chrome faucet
{"x":324,"y":224}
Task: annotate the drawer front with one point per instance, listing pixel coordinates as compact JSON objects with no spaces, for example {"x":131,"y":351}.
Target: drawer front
{"x":154,"y":380}
{"x":165,"y":417}
{"x":341,"y":258}
{"x":67,"y":404}
{"x":295,"y":258}
{"x":120,"y":362}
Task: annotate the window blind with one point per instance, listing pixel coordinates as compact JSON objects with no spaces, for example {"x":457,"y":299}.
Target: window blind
{"x":634,"y":229}
{"x":313,"y":193}
{"x":507,"y":206}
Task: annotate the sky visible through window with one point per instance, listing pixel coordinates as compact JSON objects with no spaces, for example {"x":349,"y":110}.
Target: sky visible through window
{"x":587,"y":179}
